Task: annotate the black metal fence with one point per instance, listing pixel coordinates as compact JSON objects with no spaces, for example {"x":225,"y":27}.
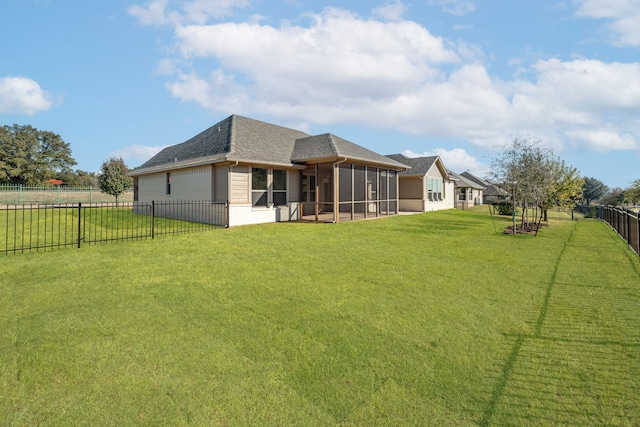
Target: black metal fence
{"x":624,"y":221}
{"x":26,"y":228}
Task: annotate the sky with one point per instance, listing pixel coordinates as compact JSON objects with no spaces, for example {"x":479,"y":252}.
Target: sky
{"x":454,"y":78}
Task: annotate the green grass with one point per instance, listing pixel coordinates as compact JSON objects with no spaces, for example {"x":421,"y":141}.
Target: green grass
{"x":432,"y":319}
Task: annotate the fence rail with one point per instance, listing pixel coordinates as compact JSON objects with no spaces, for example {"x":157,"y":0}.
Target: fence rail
{"x":624,"y":221}
{"x":26,"y":228}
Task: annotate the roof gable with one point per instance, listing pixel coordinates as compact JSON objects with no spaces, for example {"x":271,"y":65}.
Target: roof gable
{"x":464,"y":182}
{"x":420,"y":166}
{"x":328,"y":146}
{"x":215,"y":141}
{"x":475,"y":179}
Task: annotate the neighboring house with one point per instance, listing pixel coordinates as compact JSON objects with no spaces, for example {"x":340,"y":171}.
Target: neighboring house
{"x":270,"y":173}
{"x":468,"y":193}
{"x":426,"y":186}
{"x":490,"y":193}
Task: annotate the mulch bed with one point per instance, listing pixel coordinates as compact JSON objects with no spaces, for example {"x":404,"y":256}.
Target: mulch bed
{"x":527,"y":229}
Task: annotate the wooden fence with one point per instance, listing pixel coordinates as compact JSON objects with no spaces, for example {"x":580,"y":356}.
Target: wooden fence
{"x":27,"y":228}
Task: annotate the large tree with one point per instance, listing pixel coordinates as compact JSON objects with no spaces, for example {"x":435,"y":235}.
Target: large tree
{"x":614,"y":197}
{"x":594,"y":189}
{"x":113,"y":177}
{"x":29,"y":156}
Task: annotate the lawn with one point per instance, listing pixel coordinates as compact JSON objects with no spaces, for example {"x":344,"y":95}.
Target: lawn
{"x":431,"y":319}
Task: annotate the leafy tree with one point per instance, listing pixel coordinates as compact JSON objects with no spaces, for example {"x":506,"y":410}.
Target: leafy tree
{"x":614,"y":197}
{"x":113,"y":177}
{"x":535,"y":178}
{"x":29,"y":156}
{"x":594,"y":189}
{"x":79,"y":178}
{"x":632,"y":194}
{"x":565,"y":186}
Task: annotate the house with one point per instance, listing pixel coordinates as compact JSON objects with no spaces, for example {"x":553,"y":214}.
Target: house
{"x":490,"y":193}
{"x":426,"y":186}
{"x":271,"y":173}
{"x":468,"y":192}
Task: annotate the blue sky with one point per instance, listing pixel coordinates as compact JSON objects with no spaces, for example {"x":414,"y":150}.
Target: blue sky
{"x":456,"y":78}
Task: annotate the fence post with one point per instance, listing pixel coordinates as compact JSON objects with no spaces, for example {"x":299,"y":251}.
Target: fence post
{"x":628,"y":225}
{"x":153,"y":203}
{"x":79,"y":223}
{"x":226,"y":208}
{"x":638,"y":230}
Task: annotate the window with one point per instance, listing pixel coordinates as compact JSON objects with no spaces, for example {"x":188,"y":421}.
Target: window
{"x":279,"y":187}
{"x":259,"y":187}
{"x":168,"y":183}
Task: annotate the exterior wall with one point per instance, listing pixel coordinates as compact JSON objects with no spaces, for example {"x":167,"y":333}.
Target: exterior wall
{"x":436,"y":205}
{"x":220,"y":180}
{"x":244,"y":214}
{"x":412,"y":191}
{"x":240,"y":185}
{"x":449,"y":201}
{"x":186,"y":184}
{"x":191,"y":184}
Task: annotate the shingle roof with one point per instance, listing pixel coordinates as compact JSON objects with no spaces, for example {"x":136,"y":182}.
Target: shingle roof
{"x":329,"y":146}
{"x":475,"y":179}
{"x":419,"y":165}
{"x":234,"y":138}
{"x":493,"y":190}
{"x":463,"y":182}
{"x":238,"y":138}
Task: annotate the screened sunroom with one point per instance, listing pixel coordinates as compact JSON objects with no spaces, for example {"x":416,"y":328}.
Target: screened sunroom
{"x":344,"y":191}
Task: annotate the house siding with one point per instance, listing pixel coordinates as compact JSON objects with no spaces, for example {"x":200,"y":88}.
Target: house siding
{"x":220,"y":178}
{"x":191,"y":184}
{"x":411,"y":191}
{"x":240,"y":185}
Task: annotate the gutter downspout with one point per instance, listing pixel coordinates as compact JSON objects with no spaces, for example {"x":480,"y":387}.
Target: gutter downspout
{"x":336,"y":189}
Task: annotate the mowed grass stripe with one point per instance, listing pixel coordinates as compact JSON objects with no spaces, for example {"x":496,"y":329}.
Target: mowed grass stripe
{"x":409,"y":320}
{"x":582,"y":367}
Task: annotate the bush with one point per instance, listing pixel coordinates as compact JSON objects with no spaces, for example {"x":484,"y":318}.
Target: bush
{"x":504,"y":208}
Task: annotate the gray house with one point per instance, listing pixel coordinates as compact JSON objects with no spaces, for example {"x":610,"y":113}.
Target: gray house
{"x":468,"y":192}
{"x":270,"y":173}
{"x":426,"y":186}
{"x":490,"y":193}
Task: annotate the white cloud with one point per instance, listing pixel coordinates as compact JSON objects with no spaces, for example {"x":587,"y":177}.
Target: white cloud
{"x":391,"y":11}
{"x":457,"y":160}
{"x":135,"y":155}
{"x":341,"y":68}
{"x":622,"y":18}
{"x":605,"y":140}
{"x":22,"y":95}
{"x":161,"y":12}
{"x":455,"y":7}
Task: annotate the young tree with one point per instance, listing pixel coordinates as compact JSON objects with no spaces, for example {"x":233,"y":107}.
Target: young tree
{"x":594,"y":189}
{"x":535,"y":178}
{"x":113,"y":177}
{"x":565,"y":186}
{"x":30,"y":157}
